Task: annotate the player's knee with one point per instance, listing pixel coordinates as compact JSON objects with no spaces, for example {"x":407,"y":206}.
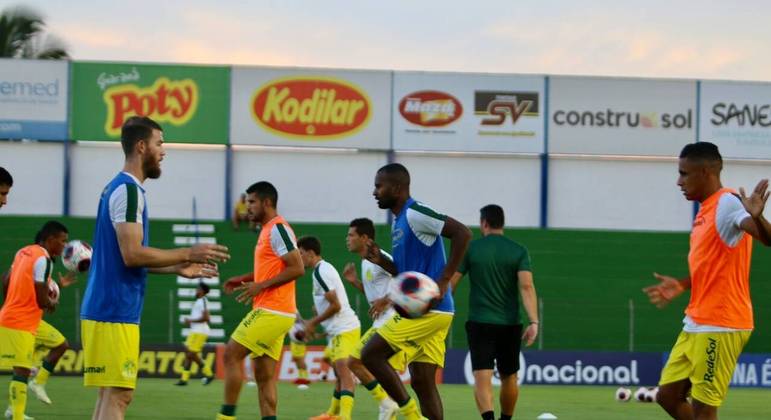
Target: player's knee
{"x":64,"y":346}
{"x":121,"y":397}
{"x":263,"y":376}
{"x":421,"y":383}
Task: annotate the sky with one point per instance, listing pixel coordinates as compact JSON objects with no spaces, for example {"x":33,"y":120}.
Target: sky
{"x":671,"y":39}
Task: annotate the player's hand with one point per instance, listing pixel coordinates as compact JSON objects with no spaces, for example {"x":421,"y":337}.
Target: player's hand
{"x":349,"y":273}
{"x":230,"y":285}
{"x":373,"y":253}
{"x":530,"y":334}
{"x":195,"y":270}
{"x":756,"y":202}
{"x":444,"y":284}
{"x":248,"y":291}
{"x":379,"y":306}
{"x":204,"y":253}
{"x":663,"y":293}
{"x":187,"y":322}
{"x":68,"y":279}
{"x":309,"y":331}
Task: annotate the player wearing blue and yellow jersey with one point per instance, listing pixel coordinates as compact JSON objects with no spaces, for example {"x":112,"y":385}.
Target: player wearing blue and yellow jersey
{"x":416,"y":239}
{"x":112,"y":304}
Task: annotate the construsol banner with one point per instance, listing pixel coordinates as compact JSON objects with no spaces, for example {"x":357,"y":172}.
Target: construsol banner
{"x":190,"y":102}
{"x":737,"y":117}
{"x":468,"y":112}
{"x":614,"y":116}
{"x":33,"y":99}
{"x":310,"y":107}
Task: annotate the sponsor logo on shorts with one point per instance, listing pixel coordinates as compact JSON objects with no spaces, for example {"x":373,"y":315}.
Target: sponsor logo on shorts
{"x":129,"y":369}
{"x":712,"y":350}
{"x":94,"y":369}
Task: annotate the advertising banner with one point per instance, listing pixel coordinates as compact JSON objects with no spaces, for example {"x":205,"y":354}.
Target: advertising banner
{"x":33,"y":99}
{"x":613,"y":116}
{"x":310,"y":107}
{"x":190,"y":103}
{"x":468,"y":112}
{"x":737,"y":117}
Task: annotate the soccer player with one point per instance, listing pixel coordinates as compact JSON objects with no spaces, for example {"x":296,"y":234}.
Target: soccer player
{"x":298,"y":349}
{"x":335,"y":315}
{"x":374,"y":283}
{"x":121,"y":260}
{"x":6,"y":182}
{"x":416,"y":238}
{"x":718,"y":319}
{"x":241,"y":213}
{"x":499,"y":271}
{"x":271,"y":291}
{"x":28,"y":295}
{"x":198,"y":321}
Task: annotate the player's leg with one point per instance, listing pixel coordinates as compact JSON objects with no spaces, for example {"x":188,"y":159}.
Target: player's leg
{"x":375,"y":355}
{"x":507,"y":346}
{"x":49,"y":337}
{"x":483,"y":393}
{"x":234,"y":356}
{"x":481,"y":343}
{"x":17,"y":392}
{"x":98,"y":405}
{"x":387,"y":408}
{"x":423,"y":377}
{"x":674,"y":385}
{"x":264,"y":374}
{"x":673,"y":398}
{"x":509,"y":395}
{"x":115,"y":401}
{"x":186,"y":365}
{"x":344,"y":344}
{"x":703,"y":411}
{"x":298,"y":351}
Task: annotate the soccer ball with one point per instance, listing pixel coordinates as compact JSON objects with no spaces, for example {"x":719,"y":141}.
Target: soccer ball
{"x":77,"y":256}
{"x":623,"y":394}
{"x":411,"y":293}
{"x":651,"y":395}
{"x":53,"y":291}
{"x":641,"y":394}
{"x":297,"y":333}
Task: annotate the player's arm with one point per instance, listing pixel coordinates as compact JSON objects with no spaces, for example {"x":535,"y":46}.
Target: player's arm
{"x":6,"y":281}
{"x":349,"y":273}
{"x":293,"y":269}
{"x":235,"y":281}
{"x":530,"y":302}
{"x":756,"y":225}
{"x":459,"y":236}
{"x":41,"y":271}
{"x":334,"y":307}
{"x":454,"y":280}
{"x":376,"y":256}
{"x":666,"y":290}
{"x":134,"y":254}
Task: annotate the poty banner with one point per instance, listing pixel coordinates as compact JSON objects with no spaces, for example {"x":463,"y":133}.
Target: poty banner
{"x":190,"y":102}
{"x":737,"y":117}
{"x":310,"y":107}
{"x":614,"y":116}
{"x":33,"y":99}
{"x":468,"y":112}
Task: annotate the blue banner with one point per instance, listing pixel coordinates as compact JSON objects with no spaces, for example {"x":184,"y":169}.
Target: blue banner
{"x":19,"y":129}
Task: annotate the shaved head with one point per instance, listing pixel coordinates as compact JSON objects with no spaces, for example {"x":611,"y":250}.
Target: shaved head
{"x":396,"y":174}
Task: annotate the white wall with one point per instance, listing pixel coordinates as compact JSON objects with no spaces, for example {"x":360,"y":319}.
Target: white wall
{"x":37,"y":170}
{"x":460,"y":185}
{"x":616,"y":194}
{"x":188,"y":171}
{"x":313,"y":186}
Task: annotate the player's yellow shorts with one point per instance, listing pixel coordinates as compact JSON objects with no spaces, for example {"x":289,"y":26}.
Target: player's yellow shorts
{"x":421,"y":339}
{"x":48,"y":336}
{"x":195,"y":342}
{"x":110,"y":353}
{"x":328,"y":350}
{"x":397,"y":361}
{"x":343,"y":344}
{"x":17,"y":348}
{"x":707,"y":360}
{"x":297,"y":349}
{"x":263,"y":332}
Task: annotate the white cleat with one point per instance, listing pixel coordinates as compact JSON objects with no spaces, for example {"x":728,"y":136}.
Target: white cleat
{"x":251,"y":383}
{"x":388,"y":410}
{"x":39,"y":391}
{"x":9,"y":414}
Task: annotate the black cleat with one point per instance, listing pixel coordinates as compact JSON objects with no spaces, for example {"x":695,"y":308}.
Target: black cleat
{"x":181,"y":383}
{"x":206,"y":380}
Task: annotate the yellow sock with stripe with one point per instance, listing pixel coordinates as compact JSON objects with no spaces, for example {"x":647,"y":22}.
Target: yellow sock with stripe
{"x":44,"y":373}
{"x":185,"y":375}
{"x":346,"y":405}
{"x":334,"y":405}
{"x":18,"y":396}
{"x":227,"y":412}
{"x":409,"y":410}
{"x":302,"y":373}
{"x":206,"y":370}
{"x":377,"y":391}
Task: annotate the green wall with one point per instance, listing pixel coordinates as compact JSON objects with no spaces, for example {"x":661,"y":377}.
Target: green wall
{"x":586,"y":280}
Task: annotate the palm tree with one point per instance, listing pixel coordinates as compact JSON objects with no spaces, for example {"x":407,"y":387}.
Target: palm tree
{"x":22,"y":35}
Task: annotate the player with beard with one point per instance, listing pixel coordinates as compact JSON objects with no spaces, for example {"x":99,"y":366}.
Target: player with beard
{"x":122,"y":258}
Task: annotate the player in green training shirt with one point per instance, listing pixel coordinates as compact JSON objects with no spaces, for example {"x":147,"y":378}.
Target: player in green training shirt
{"x":499,"y":271}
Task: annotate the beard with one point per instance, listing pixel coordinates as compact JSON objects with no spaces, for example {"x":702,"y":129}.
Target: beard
{"x":151,"y":168}
{"x":385,"y":203}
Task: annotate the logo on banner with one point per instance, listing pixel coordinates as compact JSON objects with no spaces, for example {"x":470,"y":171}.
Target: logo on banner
{"x":500,"y":111}
{"x":430,"y":108}
{"x":749,"y":116}
{"x":623,"y":119}
{"x":310,"y":108}
{"x":166,"y":100}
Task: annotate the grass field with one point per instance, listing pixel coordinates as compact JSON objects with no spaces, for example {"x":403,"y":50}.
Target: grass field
{"x":159,"y":399}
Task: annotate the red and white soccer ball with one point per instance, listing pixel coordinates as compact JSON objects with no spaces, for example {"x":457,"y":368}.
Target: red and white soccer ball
{"x":297,"y":332}
{"x":53,"y":291}
{"x":77,"y":256}
{"x":412,"y":292}
{"x":623,"y":394}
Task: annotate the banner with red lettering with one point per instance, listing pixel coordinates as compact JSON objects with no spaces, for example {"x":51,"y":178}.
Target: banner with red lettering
{"x":190,"y":102}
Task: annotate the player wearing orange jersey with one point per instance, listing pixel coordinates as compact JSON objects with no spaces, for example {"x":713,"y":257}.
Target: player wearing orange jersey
{"x":271,"y":291}
{"x":26,"y":297}
{"x":718,"y":320}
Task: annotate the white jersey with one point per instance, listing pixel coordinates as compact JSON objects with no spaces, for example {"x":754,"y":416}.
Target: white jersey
{"x":199,"y":307}
{"x":326,"y":278}
{"x":376,"y":282}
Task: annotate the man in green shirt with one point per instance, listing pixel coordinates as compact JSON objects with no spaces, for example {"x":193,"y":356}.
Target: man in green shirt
{"x":499,"y":271}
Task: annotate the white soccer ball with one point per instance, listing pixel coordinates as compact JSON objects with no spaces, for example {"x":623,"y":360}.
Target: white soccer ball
{"x":623,"y":394}
{"x":641,"y":394}
{"x":651,"y":395}
{"x":297,"y":333}
{"x":77,"y":256}
{"x":53,"y":291}
{"x":411,"y":293}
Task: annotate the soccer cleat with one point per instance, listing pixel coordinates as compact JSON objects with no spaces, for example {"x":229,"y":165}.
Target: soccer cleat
{"x":39,"y":391}
{"x":206,"y":380}
{"x":181,"y":383}
{"x":9,"y":414}
{"x":388,"y":410}
{"x":251,"y":383}
{"x":324,"y":416}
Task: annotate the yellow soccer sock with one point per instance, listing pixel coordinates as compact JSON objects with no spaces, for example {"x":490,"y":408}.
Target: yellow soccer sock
{"x":302,"y":373}
{"x":185,"y":375}
{"x":410,"y":410}
{"x":206,"y":370}
{"x":334,"y":405}
{"x":18,"y":396}
{"x":42,"y":375}
{"x":377,"y":391}
{"x":346,"y":405}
